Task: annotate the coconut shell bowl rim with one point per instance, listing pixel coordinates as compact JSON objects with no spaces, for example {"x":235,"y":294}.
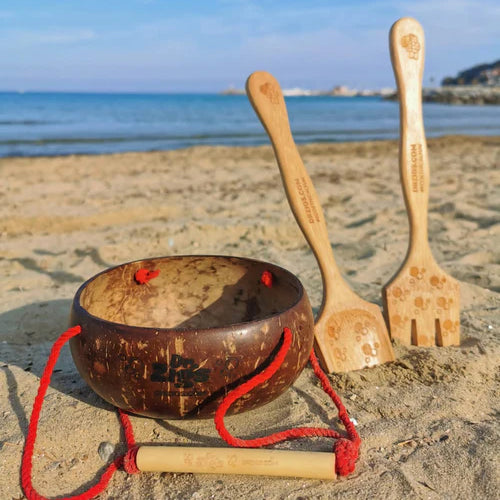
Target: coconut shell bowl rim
{"x":82,"y":311}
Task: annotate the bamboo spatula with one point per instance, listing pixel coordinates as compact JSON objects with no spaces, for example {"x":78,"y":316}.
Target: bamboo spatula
{"x":349,"y":332}
{"x":421,"y":302}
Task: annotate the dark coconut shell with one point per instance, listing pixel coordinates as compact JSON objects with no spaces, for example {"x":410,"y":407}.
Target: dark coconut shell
{"x":173,"y":347}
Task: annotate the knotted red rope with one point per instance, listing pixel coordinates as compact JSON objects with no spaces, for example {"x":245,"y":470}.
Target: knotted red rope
{"x":143,"y":276}
{"x":267,"y":279}
{"x":345,"y":449}
{"x":127,"y":460}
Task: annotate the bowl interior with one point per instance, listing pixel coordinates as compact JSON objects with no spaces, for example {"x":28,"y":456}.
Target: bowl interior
{"x":191,"y":292}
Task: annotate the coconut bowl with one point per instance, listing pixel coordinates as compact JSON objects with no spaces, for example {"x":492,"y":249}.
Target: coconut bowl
{"x":175,"y":346}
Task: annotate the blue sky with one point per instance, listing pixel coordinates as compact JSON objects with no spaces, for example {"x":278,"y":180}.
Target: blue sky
{"x":172,"y":46}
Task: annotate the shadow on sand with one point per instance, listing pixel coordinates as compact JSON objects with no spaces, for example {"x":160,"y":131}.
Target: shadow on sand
{"x":26,"y":337}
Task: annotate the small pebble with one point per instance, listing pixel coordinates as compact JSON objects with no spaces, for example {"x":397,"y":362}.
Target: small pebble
{"x":53,"y":466}
{"x":105,"y":451}
{"x":354,"y":421}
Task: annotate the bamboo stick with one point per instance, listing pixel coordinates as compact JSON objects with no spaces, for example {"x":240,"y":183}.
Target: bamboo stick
{"x":314,"y":465}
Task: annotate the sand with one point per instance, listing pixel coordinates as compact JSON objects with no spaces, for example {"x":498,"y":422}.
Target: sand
{"x":427,"y":420}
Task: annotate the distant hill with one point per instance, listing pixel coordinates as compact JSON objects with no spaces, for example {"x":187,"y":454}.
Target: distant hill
{"x":482,"y":74}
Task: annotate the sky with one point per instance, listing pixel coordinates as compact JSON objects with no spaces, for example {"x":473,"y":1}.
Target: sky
{"x":209,"y":45}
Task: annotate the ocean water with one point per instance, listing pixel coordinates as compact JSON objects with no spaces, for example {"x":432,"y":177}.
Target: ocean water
{"x":33,"y":124}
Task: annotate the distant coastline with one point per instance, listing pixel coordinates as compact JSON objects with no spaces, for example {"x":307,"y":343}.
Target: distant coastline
{"x":453,"y":94}
{"x":479,"y":95}
{"x":337,"y":91}
{"x":478,"y":85}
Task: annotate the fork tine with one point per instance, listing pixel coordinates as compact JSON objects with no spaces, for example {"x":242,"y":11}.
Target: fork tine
{"x":438,"y":324}
{"x":448,"y":330}
{"x":399,"y":325}
{"x":423,"y":330}
{"x":439,"y":333}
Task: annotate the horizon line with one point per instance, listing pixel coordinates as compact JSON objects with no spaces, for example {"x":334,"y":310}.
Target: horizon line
{"x":107,"y":91}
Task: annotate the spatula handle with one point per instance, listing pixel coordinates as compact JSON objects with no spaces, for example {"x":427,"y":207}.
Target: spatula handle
{"x":267,"y":99}
{"x":407,"y":45}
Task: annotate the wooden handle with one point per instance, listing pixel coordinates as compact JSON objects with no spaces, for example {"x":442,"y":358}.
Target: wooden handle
{"x":236,"y":461}
{"x":267,"y":100}
{"x":407,"y":46}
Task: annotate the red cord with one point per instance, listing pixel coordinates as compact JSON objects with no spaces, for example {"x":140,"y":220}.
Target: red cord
{"x":346,"y":450}
{"x":27,"y":460}
{"x":267,"y":279}
{"x":143,"y":276}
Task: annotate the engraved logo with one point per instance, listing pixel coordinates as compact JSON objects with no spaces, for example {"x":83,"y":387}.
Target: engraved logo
{"x":437,"y":282}
{"x":182,"y":372}
{"x":270,"y":92}
{"x":370,"y":350}
{"x":399,"y":321}
{"x":421,"y":304}
{"x":411,"y":44}
{"x":444,"y":304}
{"x":400,"y":294}
{"x":340,"y":354}
{"x":131,"y":366}
{"x":228,"y":364}
{"x":307,"y":200}
{"x":417,"y":168}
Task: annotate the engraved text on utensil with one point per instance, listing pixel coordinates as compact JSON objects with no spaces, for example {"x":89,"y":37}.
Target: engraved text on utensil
{"x":411,"y":44}
{"x":417,"y":168}
{"x":306,"y":199}
{"x":212,"y":462}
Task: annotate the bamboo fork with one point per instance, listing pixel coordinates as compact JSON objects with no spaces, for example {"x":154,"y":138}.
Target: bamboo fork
{"x":421,"y":301}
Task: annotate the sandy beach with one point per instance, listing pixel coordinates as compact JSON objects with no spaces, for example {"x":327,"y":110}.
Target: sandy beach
{"x":428,"y":420}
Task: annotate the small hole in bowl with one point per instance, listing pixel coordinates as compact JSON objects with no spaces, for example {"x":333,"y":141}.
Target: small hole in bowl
{"x":191,"y":292}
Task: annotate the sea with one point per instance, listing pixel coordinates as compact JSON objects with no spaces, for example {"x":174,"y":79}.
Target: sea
{"x":48,"y":124}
